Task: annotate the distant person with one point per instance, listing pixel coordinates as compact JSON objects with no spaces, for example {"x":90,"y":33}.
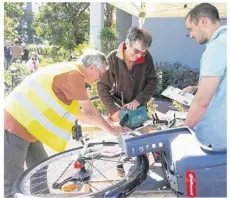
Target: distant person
{"x":7,"y":55}
{"x":16,"y":51}
{"x":33,"y":63}
{"x":72,"y":56}
{"x":25,"y":53}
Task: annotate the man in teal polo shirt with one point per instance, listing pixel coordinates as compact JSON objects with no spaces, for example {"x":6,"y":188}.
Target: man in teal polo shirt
{"x":207,"y":113}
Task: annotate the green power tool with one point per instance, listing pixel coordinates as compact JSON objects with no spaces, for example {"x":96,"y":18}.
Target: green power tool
{"x":131,"y":118}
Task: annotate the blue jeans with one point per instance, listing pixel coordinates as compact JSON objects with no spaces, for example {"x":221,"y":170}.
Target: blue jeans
{"x":7,"y":63}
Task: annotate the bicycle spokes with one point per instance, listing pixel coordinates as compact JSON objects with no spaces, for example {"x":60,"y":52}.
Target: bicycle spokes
{"x":93,"y":174}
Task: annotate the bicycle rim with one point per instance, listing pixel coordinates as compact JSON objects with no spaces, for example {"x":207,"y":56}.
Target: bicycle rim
{"x":104,"y":180}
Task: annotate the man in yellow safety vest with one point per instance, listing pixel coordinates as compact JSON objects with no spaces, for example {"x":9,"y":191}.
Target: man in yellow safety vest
{"x":43,"y":108}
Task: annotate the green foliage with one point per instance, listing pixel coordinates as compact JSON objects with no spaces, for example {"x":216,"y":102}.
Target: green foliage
{"x":18,"y":22}
{"x":26,"y":26}
{"x":92,"y":91}
{"x":9,"y":28}
{"x":22,"y":72}
{"x":46,"y":61}
{"x":63,"y":24}
{"x":109,"y":38}
{"x":108,"y":34}
{"x":151,"y":108}
{"x":79,"y":49}
{"x":175,"y":75}
{"x":12,"y":13}
{"x":13,"y":10}
{"x":51,"y":54}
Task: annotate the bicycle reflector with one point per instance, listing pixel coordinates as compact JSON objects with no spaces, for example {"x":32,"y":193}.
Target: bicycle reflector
{"x":77,"y":165}
{"x":70,"y":187}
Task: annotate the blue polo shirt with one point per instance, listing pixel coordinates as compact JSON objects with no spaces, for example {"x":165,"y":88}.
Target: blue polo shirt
{"x":212,"y":128}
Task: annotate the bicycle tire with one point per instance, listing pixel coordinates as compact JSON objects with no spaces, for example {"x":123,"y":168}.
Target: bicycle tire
{"x":122,"y":189}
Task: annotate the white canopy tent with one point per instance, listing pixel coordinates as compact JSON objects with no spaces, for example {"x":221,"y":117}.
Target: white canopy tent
{"x":150,"y":9}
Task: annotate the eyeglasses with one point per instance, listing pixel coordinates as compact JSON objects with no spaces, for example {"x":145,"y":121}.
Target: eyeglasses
{"x":34,"y":58}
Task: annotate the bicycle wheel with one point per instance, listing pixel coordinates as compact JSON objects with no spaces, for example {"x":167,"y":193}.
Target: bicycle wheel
{"x":101,"y":178}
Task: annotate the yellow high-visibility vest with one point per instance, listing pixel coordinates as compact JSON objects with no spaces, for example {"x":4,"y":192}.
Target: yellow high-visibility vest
{"x":36,"y":107}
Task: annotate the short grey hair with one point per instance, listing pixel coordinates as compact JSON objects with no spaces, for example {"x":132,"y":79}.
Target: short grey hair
{"x":93,"y":57}
{"x":136,"y":34}
{"x":203,"y":10}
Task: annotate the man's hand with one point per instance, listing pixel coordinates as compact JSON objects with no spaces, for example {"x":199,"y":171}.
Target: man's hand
{"x":189,"y":89}
{"x":115,"y":117}
{"x":118,"y":129}
{"x":132,"y":105}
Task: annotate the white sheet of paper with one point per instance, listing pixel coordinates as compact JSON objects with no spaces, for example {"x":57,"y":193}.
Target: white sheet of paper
{"x":178,"y":114}
{"x":174,"y":93}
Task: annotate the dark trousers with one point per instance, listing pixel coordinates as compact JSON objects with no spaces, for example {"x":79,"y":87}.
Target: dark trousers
{"x":17,"y":151}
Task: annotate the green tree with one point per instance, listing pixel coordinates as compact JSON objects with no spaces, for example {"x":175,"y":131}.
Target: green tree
{"x":8,"y":29}
{"x":108,"y":34}
{"x":109,"y":11}
{"x":109,"y":38}
{"x":18,"y":21}
{"x":12,"y":14}
{"x":13,"y":10}
{"x":25,"y":28}
{"x":63,"y":24}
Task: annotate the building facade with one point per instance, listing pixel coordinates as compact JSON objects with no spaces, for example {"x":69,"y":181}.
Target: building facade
{"x":171,"y":41}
